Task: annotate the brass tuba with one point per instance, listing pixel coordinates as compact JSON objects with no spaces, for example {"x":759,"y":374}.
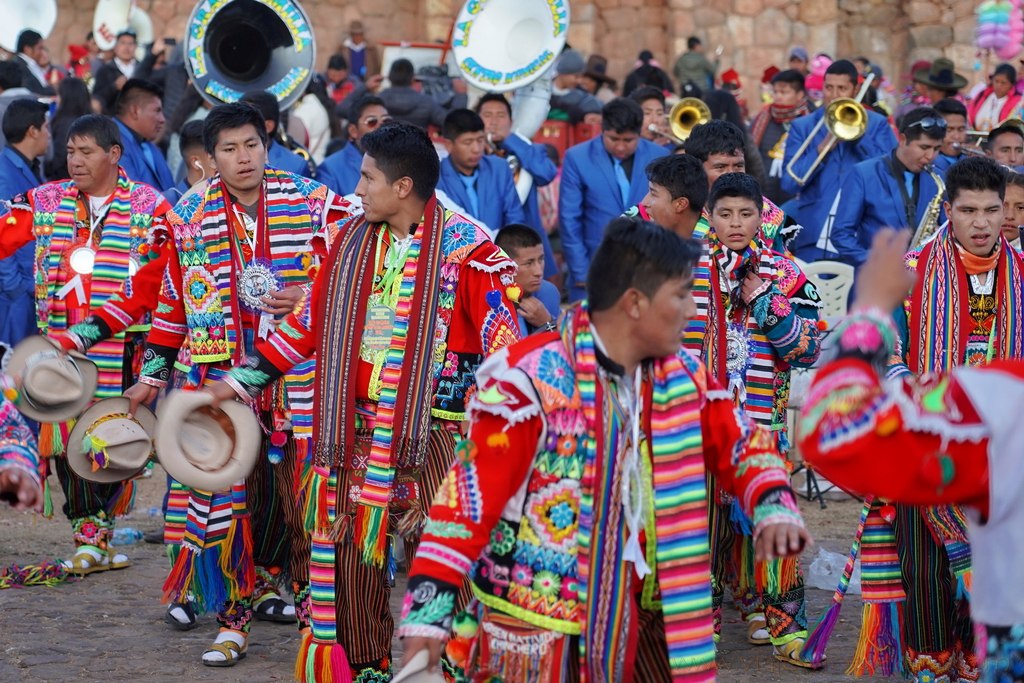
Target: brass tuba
{"x":235,"y":46}
{"x":19,"y":15}
{"x":685,"y":115}
{"x":930,"y":219}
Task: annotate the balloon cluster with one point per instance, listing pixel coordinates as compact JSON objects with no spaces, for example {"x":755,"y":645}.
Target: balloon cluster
{"x":1000,"y":27}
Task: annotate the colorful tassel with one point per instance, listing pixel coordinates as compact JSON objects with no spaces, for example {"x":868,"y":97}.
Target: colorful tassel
{"x":124,"y":501}
{"x":880,"y":646}
{"x":48,"y":574}
{"x":47,"y":499}
{"x":321,"y":662}
{"x":371,"y":534}
{"x":275,"y":452}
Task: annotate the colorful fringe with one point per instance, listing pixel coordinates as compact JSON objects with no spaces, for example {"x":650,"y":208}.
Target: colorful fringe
{"x":48,"y":573}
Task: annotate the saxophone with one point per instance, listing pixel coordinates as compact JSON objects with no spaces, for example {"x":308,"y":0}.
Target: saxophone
{"x":930,"y":220}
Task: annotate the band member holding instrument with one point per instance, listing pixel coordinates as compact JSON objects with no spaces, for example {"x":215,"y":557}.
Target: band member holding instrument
{"x":951,"y":151}
{"x":813,"y":206}
{"x":340,"y":171}
{"x":656,"y":128}
{"x":894,"y":190}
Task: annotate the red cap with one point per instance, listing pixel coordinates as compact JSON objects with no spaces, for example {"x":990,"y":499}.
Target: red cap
{"x":769,"y":74}
{"x":731,"y":76}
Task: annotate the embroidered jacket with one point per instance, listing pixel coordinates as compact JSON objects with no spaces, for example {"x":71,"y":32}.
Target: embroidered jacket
{"x":18,"y":451}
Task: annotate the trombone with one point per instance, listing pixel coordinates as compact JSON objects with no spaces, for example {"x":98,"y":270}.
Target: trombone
{"x":846,"y":119}
{"x":685,"y":115}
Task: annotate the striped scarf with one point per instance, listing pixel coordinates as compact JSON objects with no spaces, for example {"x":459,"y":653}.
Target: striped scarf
{"x":680,"y":553}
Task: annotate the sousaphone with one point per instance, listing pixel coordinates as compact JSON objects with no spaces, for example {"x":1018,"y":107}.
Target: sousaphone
{"x":20,"y":15}
{"x":114,"y":16}
{"x":235,"y":46}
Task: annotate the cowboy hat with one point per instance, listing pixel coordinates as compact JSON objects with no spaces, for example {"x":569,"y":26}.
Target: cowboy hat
{"x":597,"y":69}
{"x":109,"y":445}
{"x":940,"y":74}
{"x":205,"y":447}
{"x":416,"y":671}
{"x":55,"y":386}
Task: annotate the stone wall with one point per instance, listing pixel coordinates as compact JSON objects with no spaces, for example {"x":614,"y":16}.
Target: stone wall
{"x":754,"y":33}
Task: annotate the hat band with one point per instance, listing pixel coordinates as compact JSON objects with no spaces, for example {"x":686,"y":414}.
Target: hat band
{"x":35,"y":360}
{"x":95,"y":447}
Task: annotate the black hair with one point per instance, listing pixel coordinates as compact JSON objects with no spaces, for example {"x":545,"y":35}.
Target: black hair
{"x":403,"y":150}
{"x":459,"y":121}
{"x":190,"y":135}
{"x":637,"y":255}
{"x":741,"y":185}
{"x":1005,"y":127}
{"x":723,"y":106}
{"x":265,"y":103}
{"x":337,"y":62}
{"x":229,"y":117}
{"x":129,"y":33}
{"x":360,"y":105}
{"x":516,"y":236}
{"x":622,"y":115}
{"x":101,"y":129}
{"x":10,"y":75}
{"x":975,"y":173}
{"x":133,"y":92}
{"x":647,"y":92}
{"x":949,"y":106}
{"x":401,"y":73}
{"x":1008,"y":71}
{"x":792,"y":77}
{"x":843,"y":67}
{"x":28,"y":38}
{"x":493,"y":97}
{"x":692,"y":42}
{"x":21,"y":115}
{"x":714,"y":137}
{"x":74,"y":97}
{"x":909,"y":128}
{"x":683,"y":176}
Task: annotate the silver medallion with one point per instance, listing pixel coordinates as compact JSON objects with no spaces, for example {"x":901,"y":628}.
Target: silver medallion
{"x":254,"y":283}
{"x":737,"y":350}
{"x":82,"y":260}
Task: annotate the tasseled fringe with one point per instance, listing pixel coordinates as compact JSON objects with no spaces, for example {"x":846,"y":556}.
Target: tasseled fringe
{"x":214,"y":575}
{"x":46,"y":574}
{"x":412,"y":523}
{"x":778,"y":576}
{"x":817,"y":642}
{"x":739,"y":519}
{"x":52,"y":437}
{"x":963,"y":585}
{"x":746,"y":568}
{"x":239,"y":564}
{"x":372,"y":534}
{"x":880,"y":646}
{"x":342,"y":529}
{"x":317,"y":518}
{"x":303,"y":471}
{"x":947,"y":523}
{"x":124,"y":501}
{"x":321,"y":662}
{"x":47,"y":499}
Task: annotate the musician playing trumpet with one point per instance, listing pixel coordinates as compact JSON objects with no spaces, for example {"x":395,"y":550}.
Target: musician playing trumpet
{"x":1005,"y":144}
{"x":952,"y":150}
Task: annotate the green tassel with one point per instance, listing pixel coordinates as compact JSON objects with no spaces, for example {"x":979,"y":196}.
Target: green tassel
{"x":47,"y":500}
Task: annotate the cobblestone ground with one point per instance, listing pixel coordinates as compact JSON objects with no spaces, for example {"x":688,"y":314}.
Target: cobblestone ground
{"x":109,"y":627}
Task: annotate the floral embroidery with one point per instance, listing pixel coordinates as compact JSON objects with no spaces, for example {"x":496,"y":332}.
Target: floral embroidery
{"x":446,"y":529}
{"x":503,"y":538}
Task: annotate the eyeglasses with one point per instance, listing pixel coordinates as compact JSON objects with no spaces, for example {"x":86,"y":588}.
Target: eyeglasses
{"x":374,"y":121}
{"x":929,"y":123}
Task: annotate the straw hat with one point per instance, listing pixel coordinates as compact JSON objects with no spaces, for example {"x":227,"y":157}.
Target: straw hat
{"x":54,"y":386}
{"x":204,"y":447}
{"x":109,"y":445}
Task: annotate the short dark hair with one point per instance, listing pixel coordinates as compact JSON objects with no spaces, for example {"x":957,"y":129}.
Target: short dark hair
{"x":360,"y":105}
{"x":190,"y":136}
{"x":28,"y":38}
{"x":404,"y":150}
{"x":21,"y":115}
{"x":337,"y":62}
{"x":647,"y":92}
{"x":683,"y":176}
{"x":975,"y":173}
{"x":714,"y":137}
{"x":692,"y":42}
{"x":133,"y":92}
{"x":843,"y":67}
{"x":516,"y":236}
{"x":622,"y":115}
{"x":493,"y":97}
{"x":639,"y":255}
{"x":10,"y":75}
{"x":101,"y":129}
{"x":1005,"y":127}
{"x":741,"y":185}
{"x":265,"y":103}
{"x":401,"y":72}
{"x":127,"y":33}
{"x":1008,"y":71}
{"x":949,"y":106}
{"x":910,"y":124}
{"x":792,"y":77}
{"x":459,"y":121}
{"x":229,"y":117}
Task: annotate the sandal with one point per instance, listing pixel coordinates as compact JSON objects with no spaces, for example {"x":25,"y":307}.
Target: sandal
{"x":270,"y":606}
{"x":181,"y":616}
{"x":120,"y":561}
{"x":227,"y":650}
{"x":88,"y":559}
{"x":790,"y":654}
{"x":757,"y":629}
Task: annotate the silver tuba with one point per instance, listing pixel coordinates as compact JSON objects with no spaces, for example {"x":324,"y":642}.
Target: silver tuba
{"x":234,"y":46}
{"x":21,"y":15}
{"x":114,"y":16}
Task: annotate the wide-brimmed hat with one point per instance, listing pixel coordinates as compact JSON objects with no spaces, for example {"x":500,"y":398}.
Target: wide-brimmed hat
{"x":204,"y":447}
{"x":597,"y":69}
{"x":55,"y":386}
{"x":107,"y":444}
{"x":940,"y":74}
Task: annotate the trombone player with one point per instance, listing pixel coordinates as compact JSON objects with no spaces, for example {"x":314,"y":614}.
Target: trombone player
{"x":898,"y":189}
{"x":816,"y":183}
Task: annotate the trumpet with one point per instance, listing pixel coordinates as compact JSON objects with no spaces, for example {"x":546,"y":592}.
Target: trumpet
{"x":846,"y":120}
{"x":685,"y":115}
{"x":969,"y":150}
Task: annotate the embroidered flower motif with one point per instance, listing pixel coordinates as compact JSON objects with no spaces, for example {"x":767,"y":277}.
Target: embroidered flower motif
{"x":547,"y":583}
{"x":216,"y":332}
{"x":570,"y":588}
{"x":562,"y":515}
{"x":503,"y":538}
{"x":781,"y":306}
{"x":522,"y":575}
{"x":188,"y":244}
{"x":551,"y":442}
{"x":566,"y":445}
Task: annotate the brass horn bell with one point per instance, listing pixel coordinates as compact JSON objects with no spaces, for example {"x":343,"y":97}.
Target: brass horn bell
{"x":685,"y":115}
{"x":846,"y":118}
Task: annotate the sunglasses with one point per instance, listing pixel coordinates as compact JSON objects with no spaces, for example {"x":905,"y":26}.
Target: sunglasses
{"x":930,"y":123}
{"x":374,"y":121}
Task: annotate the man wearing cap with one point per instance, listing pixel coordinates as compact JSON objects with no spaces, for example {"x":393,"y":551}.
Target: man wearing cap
{"x":363,"y":59}
{"x":570,"y":102}
{"x":92,"y":234}
{"x":815,"y":204}
{"x":412,"y":298}
{"x":940,"y":80}
{"x":799,"y":60}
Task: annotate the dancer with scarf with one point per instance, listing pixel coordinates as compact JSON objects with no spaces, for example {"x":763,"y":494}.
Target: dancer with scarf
{"x":92,"y":234}
{"x":411,"y":299}
{"x":244,"y":245}
{"x":771,"y":126}
{"x":577,"y":506}
{"x":757,"y":316}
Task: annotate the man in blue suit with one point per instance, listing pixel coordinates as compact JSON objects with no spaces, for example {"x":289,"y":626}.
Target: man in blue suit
{"x":278,"y":155}
{"x":532,"y":158}
{"x":955,"y":114}
{"x":601,"y":179}
{"x":892,"y":190}
{"x":813,"y":206}
{"x":139,"y":114}
{"x":480,"y":184}
{"x":28,"y":138}
{"x":340,"y":171}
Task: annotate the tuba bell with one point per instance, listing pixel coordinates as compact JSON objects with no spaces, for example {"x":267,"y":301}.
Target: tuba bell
{"x":20,"y":15}
{"x":235,"y":46}
{"x":685,"y":115}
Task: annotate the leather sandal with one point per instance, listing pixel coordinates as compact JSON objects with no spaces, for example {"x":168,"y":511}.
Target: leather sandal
{"x":272,"y":607}
{"x":181,"y":616}
{"x":790,"y":654}
{"x":757,"y":629}
{"x":88,"y":559}
{"x":120,"y":561}
{"x":227,"y":650}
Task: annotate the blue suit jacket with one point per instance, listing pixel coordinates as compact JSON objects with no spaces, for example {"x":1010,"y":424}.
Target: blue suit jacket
{"x":17,"y":305}
{"x":496,"y":193}
{"x":943,"y":162}
{"x":810,"y":208}
{"x":133,"y":160}
{"x":590,"y":198}
{"x":340,"y":171}
{"x":283,"y":159}
{"x":872,"y":200}
{"x":535,"y":161}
